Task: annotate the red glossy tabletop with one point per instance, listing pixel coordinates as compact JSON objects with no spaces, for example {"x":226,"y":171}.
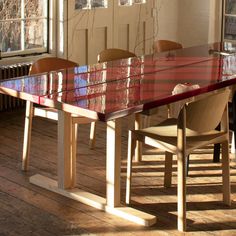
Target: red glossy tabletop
{"x":115,"y":89}
{"x":142,"y":92}
{"x":46,"y":84}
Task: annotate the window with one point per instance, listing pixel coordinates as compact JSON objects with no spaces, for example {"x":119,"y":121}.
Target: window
{"x":229,"y":20}
{"x":23,"y":26}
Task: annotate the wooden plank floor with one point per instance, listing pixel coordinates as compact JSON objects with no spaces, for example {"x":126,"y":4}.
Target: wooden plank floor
{"x":26,"y":209}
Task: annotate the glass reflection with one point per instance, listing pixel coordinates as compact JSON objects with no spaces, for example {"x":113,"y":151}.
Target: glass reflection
{"x":230,"y":27}
{"x":36,"y":85}
{"x":229,"y":67}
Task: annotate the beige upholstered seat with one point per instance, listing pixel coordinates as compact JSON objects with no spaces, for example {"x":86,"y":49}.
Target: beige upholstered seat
{"x":45,"y":65}
{"x":194,"y":128}
{"x":166,"y":45}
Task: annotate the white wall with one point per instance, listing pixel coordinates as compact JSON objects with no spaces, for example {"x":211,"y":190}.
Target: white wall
{"x":193,"y":22}
{"x":215,"y":19}
{"x":190,"y":22}
{"x":167,"y":14}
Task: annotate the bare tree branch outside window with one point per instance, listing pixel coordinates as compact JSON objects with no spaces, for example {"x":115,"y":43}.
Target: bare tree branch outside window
{"x":23,"y":24}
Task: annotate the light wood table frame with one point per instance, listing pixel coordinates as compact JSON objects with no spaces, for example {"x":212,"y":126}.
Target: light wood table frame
{"x":67,"y":174}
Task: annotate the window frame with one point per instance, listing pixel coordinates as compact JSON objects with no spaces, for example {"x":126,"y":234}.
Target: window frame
{"x":30,"y":54}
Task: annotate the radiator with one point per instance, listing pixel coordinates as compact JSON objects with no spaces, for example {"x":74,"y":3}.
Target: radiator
{"x":7,"y":72}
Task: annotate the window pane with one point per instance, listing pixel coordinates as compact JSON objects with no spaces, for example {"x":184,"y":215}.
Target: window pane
{"x":125,"y":2}
{"x":34,"y":8}
{"x":10,"y":36}
{"x":34,"y":33}
{"x":130,"y":2}
{"x":88,"y":4}
{"x":230,"y":27}
{"x":81,"y":4}
{"x":230,"y":7}
{"x":23,"y":26}
{"x":139,"y":1}
{"x":10,"y":9}
{"x":98,"y":3}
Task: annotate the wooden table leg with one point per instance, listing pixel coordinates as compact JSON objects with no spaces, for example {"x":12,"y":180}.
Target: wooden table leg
{"x":113,"y":162}
{"x":66,"y":161}
{"x":27,"y":135}
{"x":66,"y":174}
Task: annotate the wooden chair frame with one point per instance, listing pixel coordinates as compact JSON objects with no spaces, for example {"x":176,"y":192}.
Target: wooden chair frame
{"x":166,"y":45}
{"x":112,"y":54}
{"x":46,"y":65}
{"x":183,"y":142}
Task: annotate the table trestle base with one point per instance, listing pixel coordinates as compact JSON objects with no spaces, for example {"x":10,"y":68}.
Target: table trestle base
{"x":95,"y":201}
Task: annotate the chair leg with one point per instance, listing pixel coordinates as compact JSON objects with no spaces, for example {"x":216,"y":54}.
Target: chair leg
{"x":187,"y":164}
{"x":181,"y":169}
{"x":226,"y":173}
{"x":27,"y":135}
{"x":138,"y":146}
{"x":181,"y":192}
{"x":216,"y":155}
{"x":168,"y":169}
{"x":131,"y":150}
{"x":73,"y":152}
{"x":234,"y":121}
{"x":233,"y":143}
{"x":92,"y":136}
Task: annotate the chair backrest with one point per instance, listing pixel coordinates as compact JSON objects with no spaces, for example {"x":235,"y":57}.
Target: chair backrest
{"x":205,"y":114}
{"x":166,"y":45}
{"x":48,"y":64}
{"x":111,"y":54}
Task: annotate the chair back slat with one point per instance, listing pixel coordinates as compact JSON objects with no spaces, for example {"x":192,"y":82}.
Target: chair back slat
{"x":205,"y":114}
{"x":48,"y":64}
{"x":112,"y":54}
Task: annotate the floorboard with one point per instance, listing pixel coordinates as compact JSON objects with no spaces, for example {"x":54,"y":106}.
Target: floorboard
{"x":26,"y":209}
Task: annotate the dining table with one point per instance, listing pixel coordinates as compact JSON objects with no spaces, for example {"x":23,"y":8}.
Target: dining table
{"x":109,"y":92}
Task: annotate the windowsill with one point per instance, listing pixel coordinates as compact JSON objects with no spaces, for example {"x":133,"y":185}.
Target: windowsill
{"x":20,"y":59}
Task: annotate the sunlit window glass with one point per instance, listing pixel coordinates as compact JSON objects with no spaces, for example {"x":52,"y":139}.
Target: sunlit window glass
{"x":23,"y":26}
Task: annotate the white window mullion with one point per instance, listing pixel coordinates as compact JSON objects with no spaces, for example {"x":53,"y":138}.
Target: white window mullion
{"x":89,"y":4}
{"x":22,"y":24}
{"x":61,"y":27}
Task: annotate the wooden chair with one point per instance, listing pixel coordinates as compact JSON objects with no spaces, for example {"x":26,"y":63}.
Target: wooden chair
{"x":46,"y":65}
{"x":112,"y":54}
{"x":162,"y":46}
{"x":166,"y":45}
{"x":106,"y":55}
{"x":194,"y":128}
{"x":232,"y":127}
{"x":158,"y":47}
